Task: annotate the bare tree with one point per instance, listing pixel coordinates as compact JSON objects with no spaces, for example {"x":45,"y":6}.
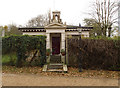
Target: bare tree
{"x":92,"y":22}
{"x":104,"y":13}
{"x":12,"y":30}
{"x":40,"y":20}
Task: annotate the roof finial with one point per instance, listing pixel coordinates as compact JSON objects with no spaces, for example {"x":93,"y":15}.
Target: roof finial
{"x":49,"y":15}
{"x":79,"y":25}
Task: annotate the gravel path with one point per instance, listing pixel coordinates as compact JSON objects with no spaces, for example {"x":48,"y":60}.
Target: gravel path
{"x":38,"y":80}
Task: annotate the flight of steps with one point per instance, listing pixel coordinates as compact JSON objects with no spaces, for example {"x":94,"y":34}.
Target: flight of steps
{"x":55,"y":58}
{"x":55,"y":65}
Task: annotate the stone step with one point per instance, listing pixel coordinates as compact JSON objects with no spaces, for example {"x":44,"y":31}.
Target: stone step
{"x":55,"y":64}
{"x":55,"y":59}
{"x":55,"y":67}
{"x":55,"y":70}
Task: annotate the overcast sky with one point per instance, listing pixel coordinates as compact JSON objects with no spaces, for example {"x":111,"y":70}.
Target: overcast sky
{"x":20,"y":11}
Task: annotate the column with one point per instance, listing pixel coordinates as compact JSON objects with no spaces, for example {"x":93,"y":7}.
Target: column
{"x":66,"y":50}
{"x":63,"y":41}
{"x":63,"y":46}
{"x":48,"y":41}
{"x":48,"y":46}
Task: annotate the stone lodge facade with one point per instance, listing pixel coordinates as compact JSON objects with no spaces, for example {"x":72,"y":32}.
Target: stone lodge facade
{"x":57,"y":32}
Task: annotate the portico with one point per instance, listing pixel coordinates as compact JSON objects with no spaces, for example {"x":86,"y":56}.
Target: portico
{"x":55,"y":37}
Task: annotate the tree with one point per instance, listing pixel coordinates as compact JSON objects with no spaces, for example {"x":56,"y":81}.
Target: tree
{"x":12,"y":30}
{"x":92,"y":22}
{"x":89,"y":22}
{"x":104,"y":15}
{"x":40,"y":20}
{"x":3,"y":29}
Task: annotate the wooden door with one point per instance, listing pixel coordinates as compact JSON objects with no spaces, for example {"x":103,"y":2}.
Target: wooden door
{"x":55,"y":45}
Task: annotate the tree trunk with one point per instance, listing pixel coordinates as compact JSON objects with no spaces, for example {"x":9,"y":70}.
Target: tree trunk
{"x":109,"y":31}
{"x":33,"y":56}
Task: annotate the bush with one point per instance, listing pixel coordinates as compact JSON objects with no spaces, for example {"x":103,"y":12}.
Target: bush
{"x":96,"y":53}
{"x":24,"y":44}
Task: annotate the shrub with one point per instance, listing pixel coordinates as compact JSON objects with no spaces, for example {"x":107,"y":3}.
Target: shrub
{"x":63,"y":52}
{"x":24,"y":44}
{"x":96,"y":53}
{"x":48,"y":52}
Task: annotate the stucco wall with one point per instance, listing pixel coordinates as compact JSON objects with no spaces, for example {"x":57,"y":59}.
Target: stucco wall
{"x":55,"y":30}
{"x":85,"y":33}
{"x":34,"y":33}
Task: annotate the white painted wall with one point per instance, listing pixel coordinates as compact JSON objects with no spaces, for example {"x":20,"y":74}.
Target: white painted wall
{"x":55,"y":30}
{"x":34,"y":33}
{"x":85,"y":33}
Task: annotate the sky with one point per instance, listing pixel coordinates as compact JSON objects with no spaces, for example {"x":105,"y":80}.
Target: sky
{"x":20,"y":11}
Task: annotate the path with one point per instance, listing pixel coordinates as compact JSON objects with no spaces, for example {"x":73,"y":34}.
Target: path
{"x":38,"y":80}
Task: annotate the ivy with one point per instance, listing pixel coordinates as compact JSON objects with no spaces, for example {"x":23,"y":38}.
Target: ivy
{"x":23,"y":44}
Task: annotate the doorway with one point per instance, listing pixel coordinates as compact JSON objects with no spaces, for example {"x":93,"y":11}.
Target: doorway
{"x":55,"y":45}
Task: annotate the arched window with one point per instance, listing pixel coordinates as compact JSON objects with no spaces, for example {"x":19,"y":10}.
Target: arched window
{"x":56,"y":17}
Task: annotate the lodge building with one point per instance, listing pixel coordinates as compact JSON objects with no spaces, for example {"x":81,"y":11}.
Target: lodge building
{"x":56,"y":32}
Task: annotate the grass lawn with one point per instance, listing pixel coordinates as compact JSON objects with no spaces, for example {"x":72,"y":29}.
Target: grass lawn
{"x":9,"y":59}
{"x":72,"y":72}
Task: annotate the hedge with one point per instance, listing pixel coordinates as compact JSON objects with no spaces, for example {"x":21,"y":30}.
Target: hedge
{"x":24,"y":44}
{"x":96,"y":53}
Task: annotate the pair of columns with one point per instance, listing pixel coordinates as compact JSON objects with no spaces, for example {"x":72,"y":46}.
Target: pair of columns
{"x":62,"y":41}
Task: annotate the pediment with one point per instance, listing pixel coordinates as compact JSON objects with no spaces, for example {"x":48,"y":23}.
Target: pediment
{"x":55,"y":25}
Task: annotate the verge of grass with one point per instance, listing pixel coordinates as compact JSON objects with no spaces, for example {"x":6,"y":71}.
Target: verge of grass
{"x":9,"y":59}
